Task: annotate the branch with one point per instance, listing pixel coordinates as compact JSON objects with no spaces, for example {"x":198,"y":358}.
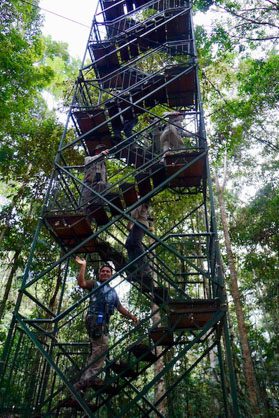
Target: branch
{"x":214,"y":87}
{"x":265,"y":142}
{"x":258,"y":8}
{"x":274,"y":4}
{"x":269,"y":38}
{"x":255,"y":22}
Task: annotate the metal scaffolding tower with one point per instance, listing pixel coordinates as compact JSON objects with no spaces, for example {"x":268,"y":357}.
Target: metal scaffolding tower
{"x":138,"y":83}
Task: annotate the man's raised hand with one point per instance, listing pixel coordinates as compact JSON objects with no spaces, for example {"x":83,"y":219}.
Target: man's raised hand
{"x":80,"y":261}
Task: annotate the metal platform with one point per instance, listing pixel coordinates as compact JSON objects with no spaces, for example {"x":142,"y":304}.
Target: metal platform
{"x":143,"y":352}
{"x":192,"y":314}
{"x":70,"y":230}
{"x":161,"y":336}
{"x":194,"y":173}
{"x":123,"y":369}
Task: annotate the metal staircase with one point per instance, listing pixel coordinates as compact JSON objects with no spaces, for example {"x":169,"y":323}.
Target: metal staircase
{"x":140,"y":67}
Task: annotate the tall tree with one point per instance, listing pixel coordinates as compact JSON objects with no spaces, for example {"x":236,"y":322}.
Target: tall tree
{"x":29,"y":132}
{"x":237,"y":299}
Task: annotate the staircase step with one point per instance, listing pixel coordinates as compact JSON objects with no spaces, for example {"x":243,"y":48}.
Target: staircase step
{"x":71,"y":229}
{"x":116,"y":200}
{"x":124,"y":52}
{"x":143,"y":352}
{"x":144,"y":183}
{"x":158,"y":174}
{"x":123,"y":368}
{"x":194,"y":305}
{"x":90,"y":119}
{"x":109,"y":253}
{"x":177,"y":28}
{"x":129,"y":193}
{"x":192,"y":314}
{"x":191,"y":176}
{"x":112,"y":9}
{"x":98,"y":213}
{"x":134,"y":50}
{"x":106,"y":57}
{"x":87,"y":120}
{"x":161,"y":336}
{"x":189,"y":320}
{"x":113,"y":110}
{"x":160,"y":295}
{"x":181,"y":91}
{"x":108,"y":388}
{"x":72,"y":403}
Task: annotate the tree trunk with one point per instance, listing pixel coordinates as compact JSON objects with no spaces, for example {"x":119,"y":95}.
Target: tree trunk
{"x":52,"y":304}
{"x":9,"y":283}
{"x":160,"y":388}
{"x":248,"y":367}
{"x":53,"y":300}
{"x":169,"y":380}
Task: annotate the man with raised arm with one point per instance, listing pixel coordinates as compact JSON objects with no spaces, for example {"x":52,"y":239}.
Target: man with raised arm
{"x":102,"y":304}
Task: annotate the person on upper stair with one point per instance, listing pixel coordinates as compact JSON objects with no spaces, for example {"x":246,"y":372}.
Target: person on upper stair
{"x":170,"y":138}
{"x":121,"y":149}
{"x":95,"y":176}
{"x":133,"y":242}
{"x":102,"y":305}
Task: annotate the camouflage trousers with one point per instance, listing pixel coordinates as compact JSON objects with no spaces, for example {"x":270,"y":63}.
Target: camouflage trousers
{"x":94,"y":362}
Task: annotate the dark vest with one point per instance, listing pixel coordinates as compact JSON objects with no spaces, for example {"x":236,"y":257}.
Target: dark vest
{"x":103,"y":302}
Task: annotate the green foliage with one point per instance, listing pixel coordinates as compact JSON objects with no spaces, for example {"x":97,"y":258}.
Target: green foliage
{"x":240,"y":90}
{"x":251,"y":23}
{"x":246,"y":117}
{"x":29,"y":132}
{"x":254,"y":231}
{"x":202,"y":5}
{"x":264,"y":212}
{"x":260,"y":238}
{"x":21,"y":49}
{"x":259,"y":81}
{"x":63,"y":66}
